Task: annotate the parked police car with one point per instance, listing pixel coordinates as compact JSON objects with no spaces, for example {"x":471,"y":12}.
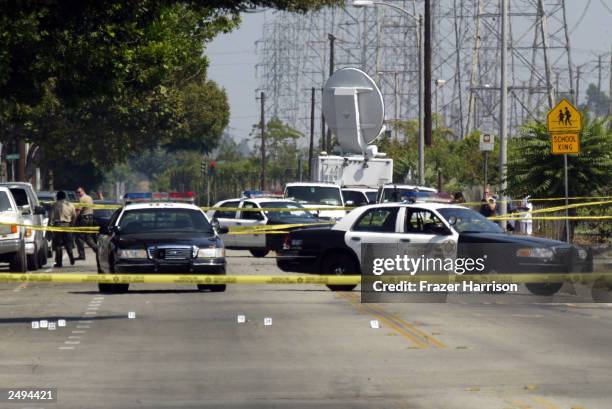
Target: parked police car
{"x":258,"y":244}
{"x":393,"y":192}
{"x":160,"y":237}
{"x":359,"y":196}
{"x":337,"y":250}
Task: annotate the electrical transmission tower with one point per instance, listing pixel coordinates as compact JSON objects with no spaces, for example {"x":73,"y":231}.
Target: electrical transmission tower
{"x":294,"y":57}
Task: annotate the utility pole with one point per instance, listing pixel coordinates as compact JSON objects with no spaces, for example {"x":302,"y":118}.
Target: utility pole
{"x":312,"y":125}
{"x":610,"y":85}
{"x":332,"y":40}
{"x":599,"y":66}
{"x":262,"y":180}
{"x":427,"y":73}
{"x":577,"y":98}
{"x":503,"y":114}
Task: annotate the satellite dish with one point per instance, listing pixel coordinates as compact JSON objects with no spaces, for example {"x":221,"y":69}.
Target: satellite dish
{"x":354,"y":110}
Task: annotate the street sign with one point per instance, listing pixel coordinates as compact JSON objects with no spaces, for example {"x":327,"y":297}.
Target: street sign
{"x":565,"y":143}
{"x":12,"y":156}
{"x":487,"y":142}
{"x":564,"y":118}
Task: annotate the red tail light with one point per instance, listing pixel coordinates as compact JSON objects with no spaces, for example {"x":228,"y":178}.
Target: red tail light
{"x":287,"y":242}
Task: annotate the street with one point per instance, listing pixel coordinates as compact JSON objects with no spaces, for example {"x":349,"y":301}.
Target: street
{"x":185,"y":349}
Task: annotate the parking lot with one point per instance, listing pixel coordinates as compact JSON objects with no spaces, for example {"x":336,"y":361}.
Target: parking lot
{"x":185,"y":349}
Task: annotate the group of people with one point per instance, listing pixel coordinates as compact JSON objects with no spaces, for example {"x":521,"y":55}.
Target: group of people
{"x":524,"y":224}
{"x":64,"y":214}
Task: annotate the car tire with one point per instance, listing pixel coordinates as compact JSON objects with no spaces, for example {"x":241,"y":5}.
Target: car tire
{"x":601,"y":291}
{"x":19,"y":263}
{"x":339,"y":264}
{"x":543,"y":288}
{"x":214,"y":288}
{"x":32,"y":259}
{"x":106,"y":288}
{"x":259,"y":252}
{"x":283,"y":265}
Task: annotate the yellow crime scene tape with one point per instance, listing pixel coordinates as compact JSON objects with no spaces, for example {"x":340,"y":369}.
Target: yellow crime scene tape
{"x":76,"y":278}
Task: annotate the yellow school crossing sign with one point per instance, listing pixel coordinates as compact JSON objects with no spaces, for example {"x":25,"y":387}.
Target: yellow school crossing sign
{"x":564,"y":124}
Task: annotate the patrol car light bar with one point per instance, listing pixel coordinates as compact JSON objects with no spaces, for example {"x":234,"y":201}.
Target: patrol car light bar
{"x":146,"y":197}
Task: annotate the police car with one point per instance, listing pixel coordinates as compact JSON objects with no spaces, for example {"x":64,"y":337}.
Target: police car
{"x":359,"y":196}
{"x":258,"y":244}
{"x":159,"y":237}
{"x":337,"y":250}
{"x":393,"y":192}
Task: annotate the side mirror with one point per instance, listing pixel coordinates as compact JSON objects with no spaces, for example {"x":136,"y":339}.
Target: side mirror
{"x":111,"y":229}
{"x":40,"y":210}
{"x":25,"y":209}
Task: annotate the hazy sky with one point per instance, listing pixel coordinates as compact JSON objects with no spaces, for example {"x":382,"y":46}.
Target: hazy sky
{"x":233,"y":56}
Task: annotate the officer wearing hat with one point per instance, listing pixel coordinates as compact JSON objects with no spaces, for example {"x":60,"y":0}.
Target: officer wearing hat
{"x":62,"y":215}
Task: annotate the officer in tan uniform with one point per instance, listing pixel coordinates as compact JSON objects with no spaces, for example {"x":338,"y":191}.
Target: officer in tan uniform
{"x":84,"y":218}
{"x":63,"y":214}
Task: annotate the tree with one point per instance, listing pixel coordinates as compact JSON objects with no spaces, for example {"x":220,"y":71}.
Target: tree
{"x":597,"y":102}
{"x":533,"y":170}
{"x":96,"y":81}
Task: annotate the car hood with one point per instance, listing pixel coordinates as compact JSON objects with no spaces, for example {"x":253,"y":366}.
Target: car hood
{"x":502,"y":238}
{"x":152,"y":239}
{"x":297,"y":220}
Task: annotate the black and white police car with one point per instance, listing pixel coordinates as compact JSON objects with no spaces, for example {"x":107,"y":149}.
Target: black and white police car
{"x":259,"y":244}
{"x":163,"y":238}
{"x":337,"y":249}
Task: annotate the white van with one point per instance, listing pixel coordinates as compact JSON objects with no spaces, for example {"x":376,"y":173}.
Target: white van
{"x":12,"y":233}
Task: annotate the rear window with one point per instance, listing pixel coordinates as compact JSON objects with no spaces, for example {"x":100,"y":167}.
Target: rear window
{"x":20,"y":195}
{"x":164,"y":220}
{"x":5,"y":203}
{"x":227,"y":214}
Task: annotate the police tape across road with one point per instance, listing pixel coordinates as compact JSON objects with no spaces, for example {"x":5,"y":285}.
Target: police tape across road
{"x":77,"y":278}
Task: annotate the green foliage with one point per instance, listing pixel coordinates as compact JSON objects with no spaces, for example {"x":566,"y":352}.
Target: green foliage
{"x":597,"y":103}
{"x":532,"y":169}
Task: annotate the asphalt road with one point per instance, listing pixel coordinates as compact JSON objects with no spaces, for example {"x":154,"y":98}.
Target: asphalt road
{"x":185,"y":348}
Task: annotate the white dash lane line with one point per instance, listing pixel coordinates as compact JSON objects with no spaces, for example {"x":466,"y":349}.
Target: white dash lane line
{"x":74,"y":337}
{"x":90,"y":312}
{"x":79,"y":332}
{"x":72,"y":342}
{"x":66,"y":348}
{"x":82,"y":326}
{"x":85,"y":321}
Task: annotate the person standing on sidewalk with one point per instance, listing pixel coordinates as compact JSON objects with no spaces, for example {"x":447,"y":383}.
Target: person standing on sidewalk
{"x":62,"y":215}
{"x":84,"y":219}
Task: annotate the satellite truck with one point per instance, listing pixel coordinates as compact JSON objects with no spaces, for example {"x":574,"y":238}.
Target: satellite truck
{"x":354,"y":111}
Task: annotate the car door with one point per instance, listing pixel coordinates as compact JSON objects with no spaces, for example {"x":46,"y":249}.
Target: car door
{"x":251,"y":219}
{"x":425,"y":226}
{"x":227,"y":218}
{"x":378,"y":225}
{"x":104,"y":243}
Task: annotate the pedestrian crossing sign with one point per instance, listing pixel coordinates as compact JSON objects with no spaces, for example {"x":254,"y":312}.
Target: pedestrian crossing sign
{"x":564,"y":118}
{"x":565,"y":143}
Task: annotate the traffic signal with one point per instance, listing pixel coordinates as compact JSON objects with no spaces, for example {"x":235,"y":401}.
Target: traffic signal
{"x":212,"y":168}
{"x":203,"y":167}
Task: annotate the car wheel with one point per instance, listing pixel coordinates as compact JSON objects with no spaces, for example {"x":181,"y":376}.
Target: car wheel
{"x":33,"y":263}
{"x":106,"y":288}
{"x":602,"y":291}
{"x":214,"y":288}
{"x":283,"y":265}
{"x":339,"y":264}
{"x":259,"y":253}
{"x":544,"y":288}
{"x":18,"y":263}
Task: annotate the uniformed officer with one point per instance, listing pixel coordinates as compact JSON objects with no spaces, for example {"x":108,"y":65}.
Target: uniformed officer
{"x":84,"y":218}
{"x":62,"y":215}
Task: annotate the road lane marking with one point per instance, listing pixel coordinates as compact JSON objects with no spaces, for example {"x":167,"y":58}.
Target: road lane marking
{"x":82,"y":326}
{"x":418,"y":343}
{"x":90,"y":312}
{"x":74,"y":337}
{"x":72,"y":342}
{"x":79,"y":332}
{"x":85,"y":321}
{"x":545,"y":403}
{"x":428,"y":339}
{"x":66,"y":348}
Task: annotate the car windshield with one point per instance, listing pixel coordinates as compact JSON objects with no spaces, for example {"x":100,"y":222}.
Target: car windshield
{"x":324,"y":195}
{"x":20,"y":195}
{"x":5,"y":203}
{"x":469,"y":221}
{"x":397,"y":194}
{"x":371,"y":197}
{"x":164,"y":220}
{"x":285,"y":214}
